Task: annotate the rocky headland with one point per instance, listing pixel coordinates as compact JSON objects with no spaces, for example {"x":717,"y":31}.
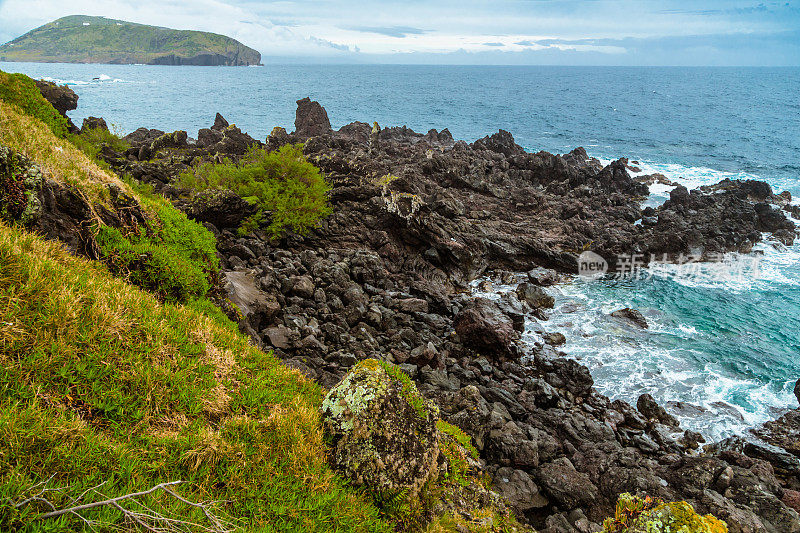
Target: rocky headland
{"x":416,"y":218}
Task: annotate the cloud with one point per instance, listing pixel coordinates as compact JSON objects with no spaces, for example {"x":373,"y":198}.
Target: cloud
{"x":390,"y":31}
{"x":647,"y":32}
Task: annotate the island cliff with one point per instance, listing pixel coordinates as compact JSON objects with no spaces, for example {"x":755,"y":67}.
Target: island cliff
{"x":83,"y":39}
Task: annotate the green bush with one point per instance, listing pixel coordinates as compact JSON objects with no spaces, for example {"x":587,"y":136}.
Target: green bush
{"x":21,"y":91}
{"x":172,"y":256}
{"x":288,"y":190}
{"x":92,"y":140}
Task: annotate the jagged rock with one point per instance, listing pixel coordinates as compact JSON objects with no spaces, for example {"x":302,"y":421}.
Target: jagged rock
{"x":311,"y":119}
{"x":647,"y":405}
{"x":93,"y":123}
{"x":383,"y":431}
{"x":219,"y":123}
{"x":61,"y":97}
{"x":631,"y":315}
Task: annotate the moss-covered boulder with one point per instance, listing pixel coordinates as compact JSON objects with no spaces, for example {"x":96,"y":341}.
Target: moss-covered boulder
{"x":383,"y":431}
{"x":645,"y":515}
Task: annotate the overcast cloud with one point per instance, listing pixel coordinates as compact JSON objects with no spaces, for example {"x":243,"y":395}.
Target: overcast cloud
{"x":591,"y":32}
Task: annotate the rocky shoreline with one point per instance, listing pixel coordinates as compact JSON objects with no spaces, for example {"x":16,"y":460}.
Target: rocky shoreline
{"x":416,"y":218}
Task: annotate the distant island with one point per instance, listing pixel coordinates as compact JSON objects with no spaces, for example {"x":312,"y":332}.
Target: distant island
{"x":84,"y":39}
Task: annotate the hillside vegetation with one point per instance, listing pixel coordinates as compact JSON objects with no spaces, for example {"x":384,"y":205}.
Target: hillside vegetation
{"x":107,"y":389}
{"x":84,"y":39}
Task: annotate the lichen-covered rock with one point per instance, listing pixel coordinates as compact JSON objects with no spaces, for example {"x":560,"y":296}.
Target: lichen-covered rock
{"x":382,"y":429}
{"x":644,"y":515}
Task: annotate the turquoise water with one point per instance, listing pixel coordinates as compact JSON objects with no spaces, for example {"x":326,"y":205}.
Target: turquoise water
{"x":728,"y":349}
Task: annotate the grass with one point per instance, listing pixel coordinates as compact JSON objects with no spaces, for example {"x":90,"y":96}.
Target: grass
{"x":170,"y":255}
{"x":101,"y":382}
{"x":91,"y":141}
{"x":20,"y":90}
{"x":62,"y":161}
{"x":290,"y":192}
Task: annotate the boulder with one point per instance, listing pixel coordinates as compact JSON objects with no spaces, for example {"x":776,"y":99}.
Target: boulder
{"x":534,"y":296}
{"x":631,"y":315}
{"x":311,"y":119}
{"x":482,"y":326}
{"x":222,"y":208}
{"x":518,"y":489}
{"x":382,"y":430}
{"x":797,"y":390}
{"x":93,"y":123}
{"x":566,"y":486}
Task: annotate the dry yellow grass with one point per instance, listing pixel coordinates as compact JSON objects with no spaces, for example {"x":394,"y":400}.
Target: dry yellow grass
{"x":60,"y":159}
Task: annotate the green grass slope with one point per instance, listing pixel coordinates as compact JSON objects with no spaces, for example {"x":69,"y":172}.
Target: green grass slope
{"x":101,"y":383}
{"x":84,"y":39}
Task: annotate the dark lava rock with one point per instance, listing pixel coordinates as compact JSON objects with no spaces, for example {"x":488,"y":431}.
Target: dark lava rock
{"x":61,"y":97}
{"x":311,"y":119}
{"x":631,"y":315}
{"x":647,"y":405}
{"x":222,"y":208}
{"x":482,"y":326}
{"x":534,"y":296}
{"x":93,"y":123}
{"x":219,"y":123}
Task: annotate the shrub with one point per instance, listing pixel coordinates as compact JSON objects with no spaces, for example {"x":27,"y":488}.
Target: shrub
{"x":21,"y":91}
{"x":172,"y":256}
{"x":92,"y":140}
{"x":288,"y":190}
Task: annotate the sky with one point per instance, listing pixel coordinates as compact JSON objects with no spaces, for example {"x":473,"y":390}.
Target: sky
{"x":533,"y":32}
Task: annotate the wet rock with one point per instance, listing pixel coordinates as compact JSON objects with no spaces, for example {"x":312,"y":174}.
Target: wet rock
{"x":652,"y":411}
{"x":555,"y":339}
{"x":383,"y":431}
{"x":631,"y":315}
{"x":544,"y":277}
{"x":534,"y":296}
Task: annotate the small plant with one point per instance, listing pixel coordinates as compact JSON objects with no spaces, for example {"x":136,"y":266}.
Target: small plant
{"x":290,"y":192}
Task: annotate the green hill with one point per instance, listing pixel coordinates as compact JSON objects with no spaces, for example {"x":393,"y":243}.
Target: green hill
{"x":83,"y":39}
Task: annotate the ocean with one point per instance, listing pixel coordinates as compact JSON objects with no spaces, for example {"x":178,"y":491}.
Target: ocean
{"x":723,"y":348}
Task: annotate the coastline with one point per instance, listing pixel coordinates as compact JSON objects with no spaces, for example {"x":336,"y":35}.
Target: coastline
{"x":416,"y":219}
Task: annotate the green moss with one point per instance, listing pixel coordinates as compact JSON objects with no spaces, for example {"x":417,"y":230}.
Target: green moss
{"x":408,"y":389}
{"x":459,"y":436}
{"x":289,"y":191}
{"x":21,"y":91}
